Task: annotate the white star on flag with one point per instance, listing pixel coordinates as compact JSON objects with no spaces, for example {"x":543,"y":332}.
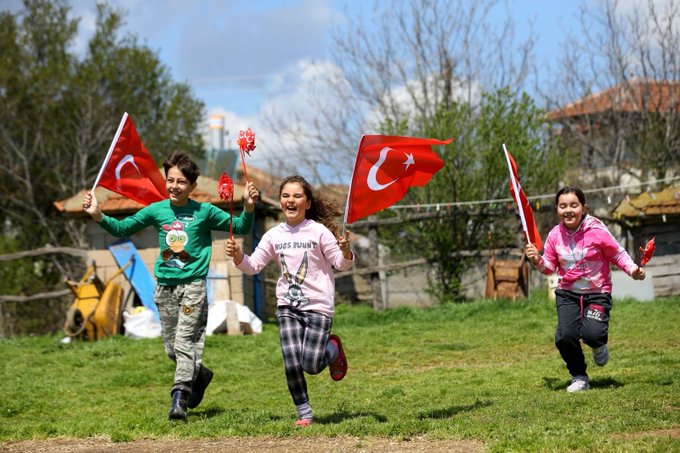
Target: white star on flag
{"x":409,"y":161}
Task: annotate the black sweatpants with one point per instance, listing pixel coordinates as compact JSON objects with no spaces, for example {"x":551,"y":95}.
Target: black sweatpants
{"x":580,"y":317}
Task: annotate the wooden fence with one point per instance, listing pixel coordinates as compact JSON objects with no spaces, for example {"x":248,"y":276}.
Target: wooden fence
{"x":35,"y":253}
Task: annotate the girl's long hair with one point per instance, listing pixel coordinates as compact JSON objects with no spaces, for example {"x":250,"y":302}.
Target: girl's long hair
{"x":321,"y":209}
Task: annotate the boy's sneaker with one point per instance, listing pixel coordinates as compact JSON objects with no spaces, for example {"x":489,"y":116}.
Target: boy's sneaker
{"x":338,"y":367}
{"x":601,"y":355}
{"x":578,"y":384}
{"x":303,"y":422}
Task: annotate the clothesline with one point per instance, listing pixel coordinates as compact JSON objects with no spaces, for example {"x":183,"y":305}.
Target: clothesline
{"x":439,"y":206}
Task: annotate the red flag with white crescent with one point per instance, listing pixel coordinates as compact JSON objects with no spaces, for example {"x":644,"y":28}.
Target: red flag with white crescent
{"x":129,"y":169}
{"x":523,"y":206}
{"x":384,"y":169}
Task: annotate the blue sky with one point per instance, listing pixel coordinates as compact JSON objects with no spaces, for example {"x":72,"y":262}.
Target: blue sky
{"x":243,"y":56}
{"x":236,"y":54}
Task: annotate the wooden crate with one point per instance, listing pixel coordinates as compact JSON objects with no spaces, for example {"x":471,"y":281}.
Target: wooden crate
{"x":507,"y":278}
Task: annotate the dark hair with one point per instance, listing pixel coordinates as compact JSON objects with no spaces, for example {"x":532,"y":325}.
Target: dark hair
{"x":184,"y":164}
{"x":571,"y":189}
{"x":321,"y":210}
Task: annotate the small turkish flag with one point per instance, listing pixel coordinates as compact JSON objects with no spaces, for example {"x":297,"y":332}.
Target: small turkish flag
{"x":385,"y":167}
{"x":526,"y":215}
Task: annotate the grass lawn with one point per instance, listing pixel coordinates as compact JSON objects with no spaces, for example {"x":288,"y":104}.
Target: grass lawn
{"x":486,"y":371}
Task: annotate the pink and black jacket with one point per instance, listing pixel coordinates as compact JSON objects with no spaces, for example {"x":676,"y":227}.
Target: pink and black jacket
{"x":582,"y":257}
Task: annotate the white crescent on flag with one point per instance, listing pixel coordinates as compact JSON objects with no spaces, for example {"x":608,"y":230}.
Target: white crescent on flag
{"x":128,"y":158}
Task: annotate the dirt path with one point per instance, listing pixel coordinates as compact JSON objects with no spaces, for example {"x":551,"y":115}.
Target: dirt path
{"x":274,"y":444}
{"x":247,"y":444}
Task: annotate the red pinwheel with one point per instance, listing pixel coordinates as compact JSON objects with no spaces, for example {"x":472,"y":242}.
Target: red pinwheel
{"x":225,"y":189}
{"x":246,"y":144}
{"x":246,"y":140}
{"x":647,"y":253}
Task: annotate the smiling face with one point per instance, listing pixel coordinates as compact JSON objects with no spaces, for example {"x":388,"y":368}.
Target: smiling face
{"x":294,"y":203}
{"x":178,"y":186}
{"x":570,"y":210}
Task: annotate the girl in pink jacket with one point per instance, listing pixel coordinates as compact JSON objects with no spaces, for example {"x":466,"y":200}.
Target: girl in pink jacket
{"x":580,"y":249}
{"x":307,"y":251}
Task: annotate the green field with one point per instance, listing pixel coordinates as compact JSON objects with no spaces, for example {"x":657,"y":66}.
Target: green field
{"x":486,"y":370}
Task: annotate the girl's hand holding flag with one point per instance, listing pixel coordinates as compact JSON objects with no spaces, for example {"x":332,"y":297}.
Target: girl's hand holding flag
{"x":344,"y":244}
{"x":532,"y":253}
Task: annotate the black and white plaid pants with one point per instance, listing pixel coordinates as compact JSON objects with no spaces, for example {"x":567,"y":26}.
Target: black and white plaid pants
{"x":304,"y":335}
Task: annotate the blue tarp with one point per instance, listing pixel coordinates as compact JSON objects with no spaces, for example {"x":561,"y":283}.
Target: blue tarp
{"x":138,"y":275}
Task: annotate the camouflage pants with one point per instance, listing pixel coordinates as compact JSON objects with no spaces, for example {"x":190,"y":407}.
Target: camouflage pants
{"x":183,"y":310}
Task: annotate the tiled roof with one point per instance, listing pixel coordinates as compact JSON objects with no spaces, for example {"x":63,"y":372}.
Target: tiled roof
{"x":635,"y":96}
{"x":267,"y":183}
{"x":665,"y":202}
{"x":116,"y":205}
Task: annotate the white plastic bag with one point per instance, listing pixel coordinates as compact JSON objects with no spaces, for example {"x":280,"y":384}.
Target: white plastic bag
{"x":141,"y":323}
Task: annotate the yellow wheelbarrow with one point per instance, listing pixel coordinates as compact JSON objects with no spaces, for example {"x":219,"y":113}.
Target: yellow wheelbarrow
{"x":96,"y":312}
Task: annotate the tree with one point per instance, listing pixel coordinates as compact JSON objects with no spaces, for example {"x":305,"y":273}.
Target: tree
{"x":58,"y":114}
{"x":475,"y":169}
{"x":406,"y":62}
{"x":617,"y":92}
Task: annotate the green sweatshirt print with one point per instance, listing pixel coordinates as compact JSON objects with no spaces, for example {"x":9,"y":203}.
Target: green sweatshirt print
{"x":184,"y":236}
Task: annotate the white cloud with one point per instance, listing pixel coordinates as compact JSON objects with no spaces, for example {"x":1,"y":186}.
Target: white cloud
{"x":636,"y":6}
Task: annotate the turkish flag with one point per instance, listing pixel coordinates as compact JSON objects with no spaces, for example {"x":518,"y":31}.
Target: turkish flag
{"x":384,"y":169}
{"x":129,"y":169}
{"x":523,"y":205}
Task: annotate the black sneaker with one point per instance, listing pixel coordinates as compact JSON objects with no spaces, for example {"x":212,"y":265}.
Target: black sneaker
{"x":198,"y":388}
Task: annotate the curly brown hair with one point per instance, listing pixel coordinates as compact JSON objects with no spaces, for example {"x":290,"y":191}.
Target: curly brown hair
{"x":321,"y":209}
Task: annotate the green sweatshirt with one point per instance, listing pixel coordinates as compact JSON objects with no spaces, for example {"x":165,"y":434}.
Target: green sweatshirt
{"x":184,"y":235}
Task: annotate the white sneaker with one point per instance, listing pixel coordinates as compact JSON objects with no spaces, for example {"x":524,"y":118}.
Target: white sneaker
{"x":601,"y":355}
{"x":578,"y":384}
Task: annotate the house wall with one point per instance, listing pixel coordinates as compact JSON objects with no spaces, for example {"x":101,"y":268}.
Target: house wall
{"x":665,"y":264}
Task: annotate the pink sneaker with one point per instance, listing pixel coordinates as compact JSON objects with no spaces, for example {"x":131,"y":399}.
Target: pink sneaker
{"x":338,"y":367}
{"x":303,"y":422}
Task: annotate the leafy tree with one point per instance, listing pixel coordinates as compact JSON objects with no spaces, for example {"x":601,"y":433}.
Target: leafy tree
{"x":58,"y":111}
{"x":58,"y":114}
{"x":476,"y":169}
{"x":401,"y":64}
